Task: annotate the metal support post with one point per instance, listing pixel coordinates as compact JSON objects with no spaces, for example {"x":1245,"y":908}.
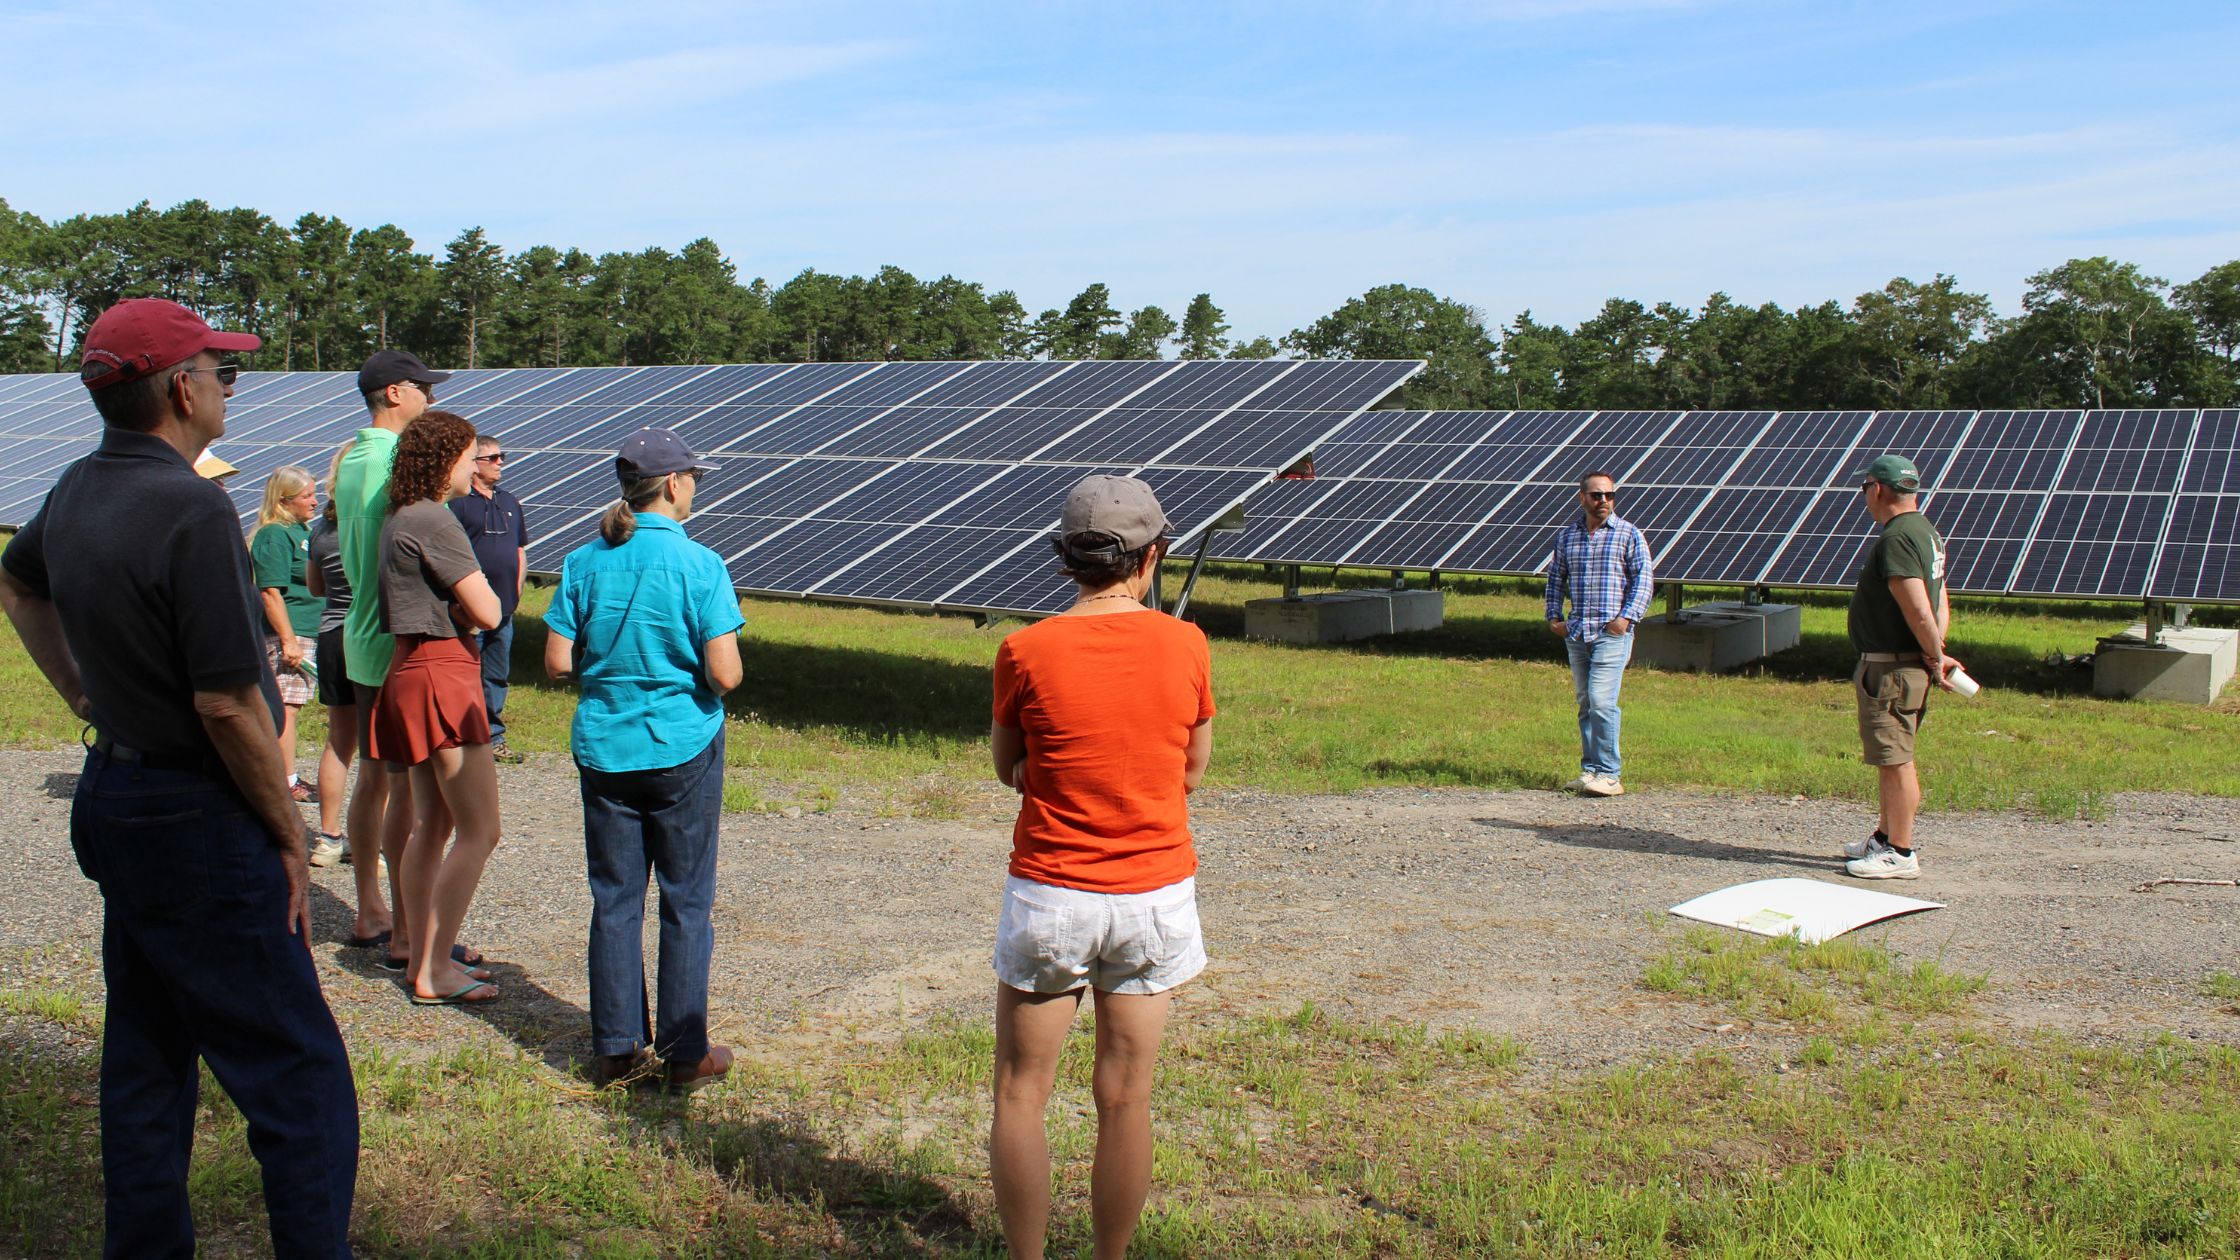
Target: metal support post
{"x":1672,"y":607}
{"x":1399,"y":580}
{"x":1190,"y":583}
{"x":2154,"y":623}
{"x":1291,"y":581}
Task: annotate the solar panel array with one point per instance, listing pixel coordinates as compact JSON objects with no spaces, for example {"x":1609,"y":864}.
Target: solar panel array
{"x":2113,"y":504}
{"x":919,"y":484}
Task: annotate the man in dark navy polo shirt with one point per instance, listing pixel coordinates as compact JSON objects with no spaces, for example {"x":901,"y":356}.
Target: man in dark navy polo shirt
{"x":132,"y":593}
{"x":500,"y":534}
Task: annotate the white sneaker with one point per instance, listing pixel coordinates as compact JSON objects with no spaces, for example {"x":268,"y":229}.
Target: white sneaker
{"x":1601,"y":785}
{"x":1856,"y":849}
{"x":324,"y":852}
{"x":1577,"y":785}
{"x":1884,"y":863}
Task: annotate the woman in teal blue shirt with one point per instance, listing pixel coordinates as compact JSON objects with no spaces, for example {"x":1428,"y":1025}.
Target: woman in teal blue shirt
{"x":647,"y":622}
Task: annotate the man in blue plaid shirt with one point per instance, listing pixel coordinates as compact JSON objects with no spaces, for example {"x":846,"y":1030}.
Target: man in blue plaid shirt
{"x":1601,"y":563}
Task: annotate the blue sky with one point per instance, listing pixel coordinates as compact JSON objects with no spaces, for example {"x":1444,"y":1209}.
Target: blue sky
{"x":1542,"y":154}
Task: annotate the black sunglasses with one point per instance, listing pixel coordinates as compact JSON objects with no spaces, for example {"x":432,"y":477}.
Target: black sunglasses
{"x":226,"y":373}
{"x":1600,"y":494}
{"x":498,"y":458}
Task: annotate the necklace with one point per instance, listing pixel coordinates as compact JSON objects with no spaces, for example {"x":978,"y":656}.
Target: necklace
{"x":1107,"y":595}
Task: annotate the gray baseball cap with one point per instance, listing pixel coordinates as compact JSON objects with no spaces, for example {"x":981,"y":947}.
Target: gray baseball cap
{"x":1122,"y":509}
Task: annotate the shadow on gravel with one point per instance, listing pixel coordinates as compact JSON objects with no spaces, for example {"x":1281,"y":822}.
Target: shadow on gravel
{"x":554,"y":1029}
{"x":62,"y":785}
{"x":1643,"y":840}
{"x":879,"y":1209}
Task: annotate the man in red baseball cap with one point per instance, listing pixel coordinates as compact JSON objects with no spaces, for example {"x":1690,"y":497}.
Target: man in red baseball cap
{"x":131,"y":591}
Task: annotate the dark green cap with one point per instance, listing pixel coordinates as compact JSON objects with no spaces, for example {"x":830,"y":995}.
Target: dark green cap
{"x":1894,"y":471}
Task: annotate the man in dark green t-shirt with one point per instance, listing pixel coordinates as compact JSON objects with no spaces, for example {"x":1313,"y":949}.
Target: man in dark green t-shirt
{"x":1899,"y":615}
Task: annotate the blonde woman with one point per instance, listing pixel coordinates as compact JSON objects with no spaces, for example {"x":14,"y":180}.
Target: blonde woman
{"x":278,"y":550}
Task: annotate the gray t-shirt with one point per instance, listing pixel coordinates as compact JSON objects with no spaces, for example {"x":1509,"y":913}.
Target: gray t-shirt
{"x":424,"y":553}
{"x":326,"y":557}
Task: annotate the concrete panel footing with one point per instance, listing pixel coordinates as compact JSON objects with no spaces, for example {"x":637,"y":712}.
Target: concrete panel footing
{"x":2190,"y":665}
{"x":1342,"y":616}
{"x":1710,"y":638}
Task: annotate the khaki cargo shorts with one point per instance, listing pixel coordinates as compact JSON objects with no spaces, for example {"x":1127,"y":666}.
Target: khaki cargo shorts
{"x":1893,"y":697}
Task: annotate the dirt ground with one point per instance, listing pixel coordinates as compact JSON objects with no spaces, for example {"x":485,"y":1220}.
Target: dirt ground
{"x":1529,"y":914}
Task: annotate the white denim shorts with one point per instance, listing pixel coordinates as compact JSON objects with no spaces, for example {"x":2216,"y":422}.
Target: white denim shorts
{"x":1054,"y":940}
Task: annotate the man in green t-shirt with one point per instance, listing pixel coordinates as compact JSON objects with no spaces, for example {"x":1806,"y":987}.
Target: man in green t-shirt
{"x":397,"y":387}
{"x":1899,"y":615}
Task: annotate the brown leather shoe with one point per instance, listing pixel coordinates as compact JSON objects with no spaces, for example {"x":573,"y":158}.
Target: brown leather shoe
{"x":683,"y":1080}
{"x":615,"y":1069}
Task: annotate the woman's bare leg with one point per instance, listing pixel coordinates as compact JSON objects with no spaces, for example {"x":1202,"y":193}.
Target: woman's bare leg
{"x":334,"y":765}
{"x":415,"y":870}
{"x":1129,"y":1026}
{"x":467,"y":780}
{"x":288,"y":735}
{"x":1030,"y":1034}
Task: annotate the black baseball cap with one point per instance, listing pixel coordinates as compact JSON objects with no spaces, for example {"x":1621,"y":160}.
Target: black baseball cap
{"x":655,"y":453}
{"x":387,"y":367}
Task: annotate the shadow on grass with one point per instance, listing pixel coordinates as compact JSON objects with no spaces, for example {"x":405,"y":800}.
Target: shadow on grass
{"x":1819,"y":656}
{"x":541,"y":1022}
{"x":878,"y":1208}
{"x":872,"y":696}
{"x":1659,"y":843}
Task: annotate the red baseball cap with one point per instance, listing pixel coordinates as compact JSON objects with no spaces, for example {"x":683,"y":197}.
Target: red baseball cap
{"x":142,"y":336}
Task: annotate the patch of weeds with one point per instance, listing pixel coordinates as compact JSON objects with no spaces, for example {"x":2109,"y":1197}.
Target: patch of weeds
{"x":740,"y":797}
{"x":1780,"y":978}
{"x":55,"y":1006}
{"x":942,"y":798}
{"x":2221,"y":985}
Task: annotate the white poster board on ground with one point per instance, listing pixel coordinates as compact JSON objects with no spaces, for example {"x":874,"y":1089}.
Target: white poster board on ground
{"x":1808,"y":909}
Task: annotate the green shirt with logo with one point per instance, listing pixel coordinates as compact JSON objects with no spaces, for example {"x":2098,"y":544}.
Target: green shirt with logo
{"x":277,"y":553}
{"x":361,"y":506}
{"x":1908,"y":547}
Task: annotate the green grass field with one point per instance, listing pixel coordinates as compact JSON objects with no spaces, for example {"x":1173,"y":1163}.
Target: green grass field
{"x":891,"y":706}
{"x":1894,"y":1127}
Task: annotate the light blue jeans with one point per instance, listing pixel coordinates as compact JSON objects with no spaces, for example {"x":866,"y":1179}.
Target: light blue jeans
{"x":1597,"y":669}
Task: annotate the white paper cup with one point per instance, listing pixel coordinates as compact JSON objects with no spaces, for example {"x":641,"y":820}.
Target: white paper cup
{"x":1960,"y":681}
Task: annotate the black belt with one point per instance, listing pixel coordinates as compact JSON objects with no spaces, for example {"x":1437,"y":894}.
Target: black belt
{"x":199,"y":763}
{"x":1888,"y":658}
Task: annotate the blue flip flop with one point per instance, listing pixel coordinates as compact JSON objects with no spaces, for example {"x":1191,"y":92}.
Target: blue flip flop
{"x":459,"y":997}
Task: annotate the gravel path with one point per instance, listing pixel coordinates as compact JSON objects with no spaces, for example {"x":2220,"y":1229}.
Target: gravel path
{"x":1525,"y":913}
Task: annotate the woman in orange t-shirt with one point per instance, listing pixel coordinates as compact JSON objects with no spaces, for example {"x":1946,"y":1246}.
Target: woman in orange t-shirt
{"x":1103,"y":724}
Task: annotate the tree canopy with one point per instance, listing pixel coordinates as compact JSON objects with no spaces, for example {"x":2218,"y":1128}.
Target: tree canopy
{"x":2092,"y":332}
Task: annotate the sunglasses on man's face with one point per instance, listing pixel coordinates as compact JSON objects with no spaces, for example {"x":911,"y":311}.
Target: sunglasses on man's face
{"x":1610,"y":495}
{"x":226,"y":373}
{"x":498,"y":458}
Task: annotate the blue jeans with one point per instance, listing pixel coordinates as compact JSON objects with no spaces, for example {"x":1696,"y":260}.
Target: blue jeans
{"x":497,"y":669}
{"x":664,"y":821}
{"x":199,"y":962}
{"x":1597,"y":669}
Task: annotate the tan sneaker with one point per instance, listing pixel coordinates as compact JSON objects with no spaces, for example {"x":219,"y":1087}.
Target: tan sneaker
{"x":1601,"y":785}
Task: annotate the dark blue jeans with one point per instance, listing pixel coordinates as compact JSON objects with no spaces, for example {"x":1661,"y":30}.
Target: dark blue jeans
{"x":497,"y":670}
{"x":199,"y":962}
{"x":665,"y":822}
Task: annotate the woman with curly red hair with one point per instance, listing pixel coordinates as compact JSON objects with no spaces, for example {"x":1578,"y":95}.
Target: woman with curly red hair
{"x":431,"y":716}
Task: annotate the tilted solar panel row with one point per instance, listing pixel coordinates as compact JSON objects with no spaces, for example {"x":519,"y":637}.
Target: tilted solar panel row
{"x":916,"y":484}
{"x":2128,"y":504}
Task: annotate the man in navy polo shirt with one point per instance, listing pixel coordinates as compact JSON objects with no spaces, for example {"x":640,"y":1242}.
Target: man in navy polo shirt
{"x":132,"y":593}
{"x":500,"y":535}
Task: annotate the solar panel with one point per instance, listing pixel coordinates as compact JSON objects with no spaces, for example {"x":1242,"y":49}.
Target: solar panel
{"x":2199,"y":559}
{"x":2045,"y":502}
{"x":921,"y":484}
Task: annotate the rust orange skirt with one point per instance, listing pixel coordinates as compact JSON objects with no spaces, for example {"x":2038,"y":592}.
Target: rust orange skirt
{"x":432,"y":699}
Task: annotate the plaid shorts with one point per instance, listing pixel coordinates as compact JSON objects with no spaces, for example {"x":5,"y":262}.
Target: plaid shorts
{"x":295,"y":684}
